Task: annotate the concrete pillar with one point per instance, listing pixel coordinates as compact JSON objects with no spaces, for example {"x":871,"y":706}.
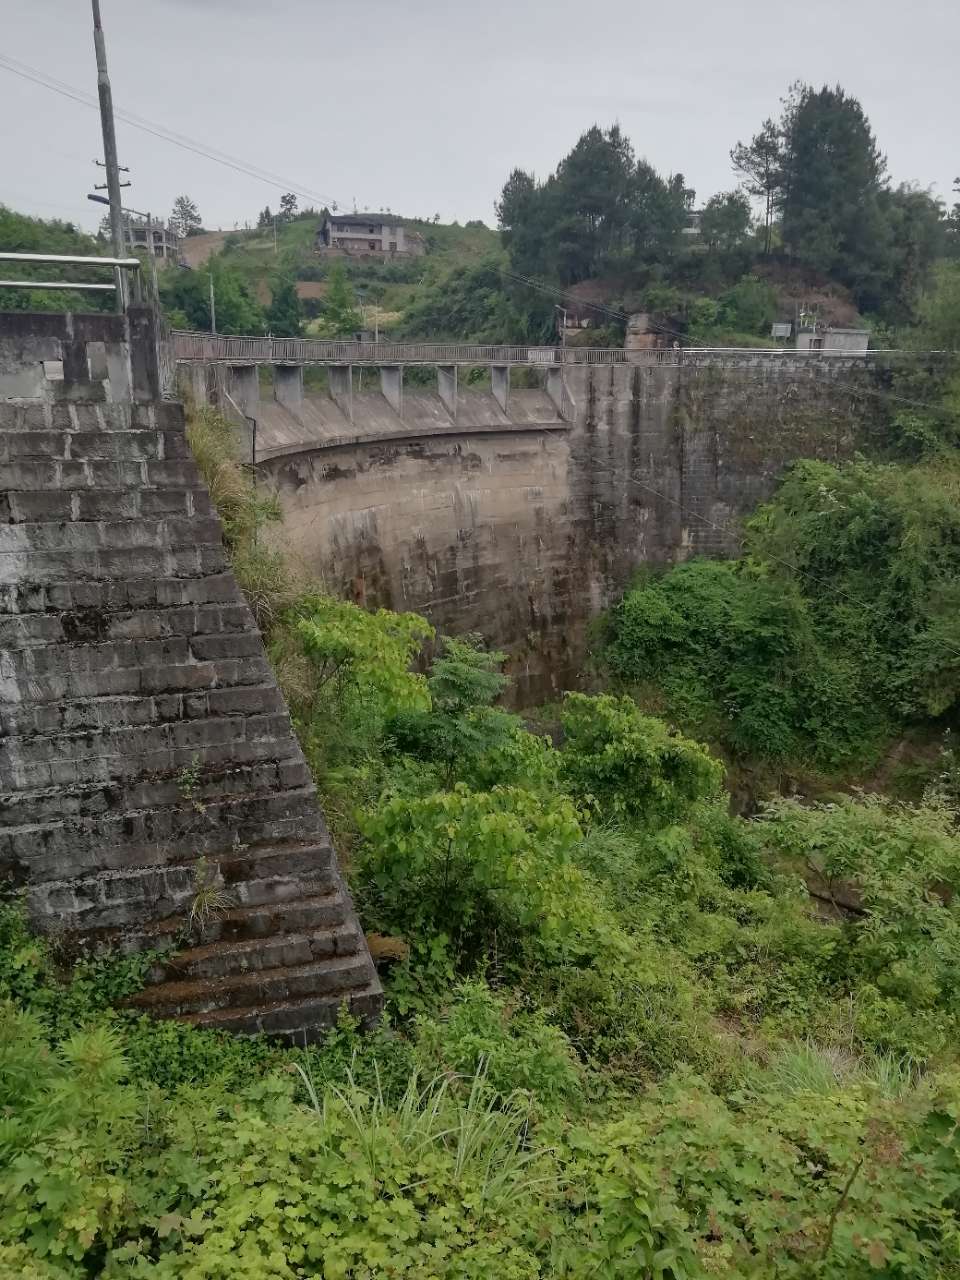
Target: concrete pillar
{"x":245,"y":385}
{"x":447,"y":386}
{"x":288,"y":384}
{"x":195,"y":378}
{"x":341,"y":387}
{"x":557,"y":391}
{"x":500,"y":384}
{"x":391,"y":385}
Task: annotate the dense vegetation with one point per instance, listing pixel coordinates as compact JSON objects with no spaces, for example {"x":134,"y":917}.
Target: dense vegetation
{"x":837,"y":629}
{"x":20,"y":234}
{"x":624,"y":1039}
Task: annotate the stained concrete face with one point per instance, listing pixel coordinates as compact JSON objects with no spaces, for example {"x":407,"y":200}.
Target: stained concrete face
{"x":47,"y":356}
{"x":524,"y":530}
{"x":145,"y":749}
{"x":288,"y":385}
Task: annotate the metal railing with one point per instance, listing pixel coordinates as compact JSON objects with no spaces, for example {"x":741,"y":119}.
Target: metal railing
{"x":119,"y":265}
{"x":207,"y":348}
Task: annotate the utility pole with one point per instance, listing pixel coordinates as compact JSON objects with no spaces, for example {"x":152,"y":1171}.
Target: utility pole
{"x":153,"y":260}
{"x":213,"y":306}
{"x":109,"y":150}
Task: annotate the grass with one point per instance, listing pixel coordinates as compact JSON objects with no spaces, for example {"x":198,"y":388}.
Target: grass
{"x":244,"y":513}
{"x":808,"y":1067}
{"x":486,"y":1134}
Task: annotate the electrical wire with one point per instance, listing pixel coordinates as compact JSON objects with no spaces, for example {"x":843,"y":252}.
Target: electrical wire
{"x":26,"y":72}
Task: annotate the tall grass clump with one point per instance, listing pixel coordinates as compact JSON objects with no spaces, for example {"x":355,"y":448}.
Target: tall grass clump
{"x":244,"y":512}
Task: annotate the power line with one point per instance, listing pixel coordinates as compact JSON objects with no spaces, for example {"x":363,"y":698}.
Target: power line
{"x":33,"y":74}
{"x":884,"y":394}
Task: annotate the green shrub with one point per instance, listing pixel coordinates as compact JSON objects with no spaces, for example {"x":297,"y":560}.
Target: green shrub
{"x":486,"y":869}
{"x":799,"y":1186}
{"x":511,"y":1042}
{"x":899,"y":946}
{"x":737,"y":656}
{"x":629,"y":764}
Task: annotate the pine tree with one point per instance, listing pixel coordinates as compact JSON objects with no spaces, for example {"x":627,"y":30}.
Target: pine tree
{"x":833,"y":174}
{"x":185,"y":219}
{"x":760,"y":164}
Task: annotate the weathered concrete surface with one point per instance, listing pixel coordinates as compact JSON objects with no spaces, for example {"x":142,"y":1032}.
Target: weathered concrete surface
{"x":524,"y":527}
{"x":145,"y":750}
{"x":49,"y":356}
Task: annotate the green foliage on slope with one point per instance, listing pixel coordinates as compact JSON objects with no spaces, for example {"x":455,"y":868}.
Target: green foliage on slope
{"x":837,"y":628}
{"x":630,"y":1035}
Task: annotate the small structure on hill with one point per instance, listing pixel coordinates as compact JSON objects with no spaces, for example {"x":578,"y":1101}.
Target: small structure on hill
{"x":156,"y":239}
{"x":853,"y":342}
{"x":367,"y":235}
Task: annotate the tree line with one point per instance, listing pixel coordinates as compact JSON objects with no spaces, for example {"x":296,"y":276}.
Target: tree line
{"x":827,"y":205}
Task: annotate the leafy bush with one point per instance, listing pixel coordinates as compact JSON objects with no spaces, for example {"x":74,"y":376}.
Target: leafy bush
{"x":898,"y":868}
{"x":688,"y":1185}
{"x":630,"y":764}
{"x":346,"y":673}
{"x":736,"y":655}
{"x":487,"y":869}
{"x":837,"y":627}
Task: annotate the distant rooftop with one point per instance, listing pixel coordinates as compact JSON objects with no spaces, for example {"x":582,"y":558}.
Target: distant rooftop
{"x":363,"y":219}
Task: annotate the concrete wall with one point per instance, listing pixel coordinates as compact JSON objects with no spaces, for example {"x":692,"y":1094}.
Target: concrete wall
{"x":145,"y":749}
{"x":526,"y":530}
{"x":49,"y":356}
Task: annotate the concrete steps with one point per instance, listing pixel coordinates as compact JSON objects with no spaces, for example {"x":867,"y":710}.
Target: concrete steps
{"x":297,"y":1021}
{"x":254,"y":955}
{"x":339,"y":977}
{"x":141,"y":727}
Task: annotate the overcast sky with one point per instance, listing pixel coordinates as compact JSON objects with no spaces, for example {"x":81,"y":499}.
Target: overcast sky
{"x":426,"y":105}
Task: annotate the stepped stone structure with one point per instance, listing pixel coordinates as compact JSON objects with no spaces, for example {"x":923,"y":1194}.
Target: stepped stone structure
{"x":147,"y":758}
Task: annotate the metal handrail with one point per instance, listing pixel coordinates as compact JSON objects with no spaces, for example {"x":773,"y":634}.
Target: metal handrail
{"x":207,"y":348}
{"x":73,"y":259}
{"x":119,"y":265}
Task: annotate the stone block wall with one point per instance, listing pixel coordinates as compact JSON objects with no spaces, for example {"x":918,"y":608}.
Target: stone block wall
{"x":146,"y":754}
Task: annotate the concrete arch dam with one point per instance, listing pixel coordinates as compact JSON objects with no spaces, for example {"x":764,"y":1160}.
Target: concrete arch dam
{"x":522,"y":513}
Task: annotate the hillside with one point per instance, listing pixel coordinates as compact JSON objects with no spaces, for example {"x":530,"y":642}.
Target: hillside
{"x":258,"y":257}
